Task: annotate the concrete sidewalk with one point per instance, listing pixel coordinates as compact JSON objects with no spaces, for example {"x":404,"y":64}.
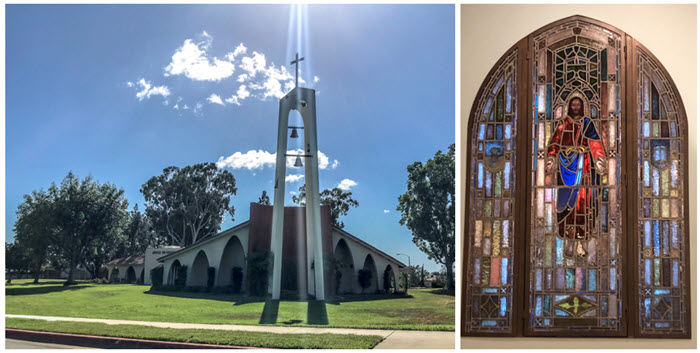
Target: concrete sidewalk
{"x":393,"y":339}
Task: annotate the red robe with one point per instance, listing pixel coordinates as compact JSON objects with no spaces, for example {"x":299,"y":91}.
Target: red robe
{"x":576,"y":145}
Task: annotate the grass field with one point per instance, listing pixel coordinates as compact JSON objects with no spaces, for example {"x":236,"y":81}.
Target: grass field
{"x":229,"y":338}
{"x":423,"y":309}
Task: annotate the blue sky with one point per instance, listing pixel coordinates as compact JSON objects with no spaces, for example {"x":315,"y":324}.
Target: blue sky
{"x":121,"y":92}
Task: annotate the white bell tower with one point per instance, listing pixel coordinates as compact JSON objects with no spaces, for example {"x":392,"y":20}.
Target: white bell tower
{"x":303,"y":100}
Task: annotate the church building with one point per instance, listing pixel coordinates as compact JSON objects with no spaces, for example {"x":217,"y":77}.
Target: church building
{"x":229,"y":249}
{"x":309,"y":255}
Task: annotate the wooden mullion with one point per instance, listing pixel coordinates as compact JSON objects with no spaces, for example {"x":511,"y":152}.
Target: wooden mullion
{"x":631,"y":192}
{"x":522,"y":187}
{"x":526,"y":172}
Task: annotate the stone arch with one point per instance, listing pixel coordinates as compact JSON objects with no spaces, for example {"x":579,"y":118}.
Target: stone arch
{"x":372,"y":267}
{"x":130,"y":275}
{"x":114,"y":277}
{"x":141,"y":277}
{"x":174,"y":272}
{"x":346,"y":267}
{"x":198,"y":271}
{"x":389,"y":275}
{"x":232,"y":256}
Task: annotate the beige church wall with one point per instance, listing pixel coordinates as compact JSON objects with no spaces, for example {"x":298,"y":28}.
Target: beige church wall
{"x":668,"y":31}
{"x":359,"y":252}
{"x":213,"y":249}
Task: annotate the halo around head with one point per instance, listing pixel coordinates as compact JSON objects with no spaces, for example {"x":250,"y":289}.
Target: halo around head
{"x":575,"y":94}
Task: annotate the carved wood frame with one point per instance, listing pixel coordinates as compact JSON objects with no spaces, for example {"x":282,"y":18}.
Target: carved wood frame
{"x":521,"y":232}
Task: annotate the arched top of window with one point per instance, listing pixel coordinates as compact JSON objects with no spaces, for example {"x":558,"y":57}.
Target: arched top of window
{"x":576,"y":208}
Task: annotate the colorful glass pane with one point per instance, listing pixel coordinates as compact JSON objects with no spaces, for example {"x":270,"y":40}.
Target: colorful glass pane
{"x":575,"y":230}
{"x":662,"y":297}
{"x":489,"y":284}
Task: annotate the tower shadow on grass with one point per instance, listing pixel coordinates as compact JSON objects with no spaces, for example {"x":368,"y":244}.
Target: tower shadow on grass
{"x":316,"y":313}
{"x":269,"y":314}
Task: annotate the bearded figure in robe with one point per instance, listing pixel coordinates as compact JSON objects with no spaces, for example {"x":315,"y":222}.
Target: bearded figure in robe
{"x":576,"y":156}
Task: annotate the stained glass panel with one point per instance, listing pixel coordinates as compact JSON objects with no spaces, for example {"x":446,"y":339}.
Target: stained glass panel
{"x":661,"y":252}
{"x":489,"y":283}
{"x":574,"y":283}
{"x":575,"y":227}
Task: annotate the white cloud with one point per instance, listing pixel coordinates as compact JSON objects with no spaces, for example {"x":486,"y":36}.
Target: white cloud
{"x":253,"y":64}
{"x":266,"y":80}
{"x":322,"y":160}
{"x":192,"y":60}
{"x":215,"y":99}
{"x":176,"y":106}
{"x":242,"y":92}
{"x":233,"y":100}
{"x":293,"y":193}
{"x":386,"y":211}
{"x":335,"y":164}
{"x":240,"y":95}
{"x":148,"y":90}
{"x":198,"y":109}
{"x":240,"y":49}
{"x":249,"y":160}
{"x":293,"y":178}
{"x":346,"y":184}
{"x":258,"y":77}
{"x":253,"y":160}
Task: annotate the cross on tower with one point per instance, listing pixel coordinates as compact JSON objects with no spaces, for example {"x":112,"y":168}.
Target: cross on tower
{"x":296,"y":62}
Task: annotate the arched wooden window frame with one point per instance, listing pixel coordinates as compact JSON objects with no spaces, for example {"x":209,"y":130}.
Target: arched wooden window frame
{"x":523,"y":196}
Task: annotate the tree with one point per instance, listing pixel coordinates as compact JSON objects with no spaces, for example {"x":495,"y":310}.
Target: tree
{"x":84,"y":212}
{"x":104,"y":247}
{"x":138,"y":235}
{"x":264,"y":199}
{"x":339,"y":201}
{"x":32,"y":228}
{"x":364,"y":277}
{"x":416,"y":276}
{"x":428,"y":208}
{"x":189,"y":204}
{"x":16,"y":260}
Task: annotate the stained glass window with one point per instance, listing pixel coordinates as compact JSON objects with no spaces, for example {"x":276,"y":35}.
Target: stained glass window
{"x":575,"y":262}
{"x":599,"y":221}
{"x":662,"y":245}
{"x":490,"y":289}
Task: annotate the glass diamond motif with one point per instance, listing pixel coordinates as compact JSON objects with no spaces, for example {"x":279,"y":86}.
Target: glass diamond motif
{"x":576,"y":305}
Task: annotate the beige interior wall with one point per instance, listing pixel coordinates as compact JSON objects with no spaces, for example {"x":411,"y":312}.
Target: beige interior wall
{"x":668,"y":31}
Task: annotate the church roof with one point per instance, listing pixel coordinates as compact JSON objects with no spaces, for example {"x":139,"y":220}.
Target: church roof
{"x":205,"y":240}
{"x":129,"y":260}
{"x":366,"y":244}
{"x":246,"y":223}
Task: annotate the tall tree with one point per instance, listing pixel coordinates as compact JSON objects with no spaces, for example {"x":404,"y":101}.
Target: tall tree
{"x":428,"y":208}
{"x":33,"y":227}
{"x":16,"y":260}
{"x":85,"y":212}
{"x":264,"y":199}
{"x":416,"y":276}
{"x":138,"y":235}
{"x":339,"y":201}
{"x":103,"y":248}
{"x":189,"y":204}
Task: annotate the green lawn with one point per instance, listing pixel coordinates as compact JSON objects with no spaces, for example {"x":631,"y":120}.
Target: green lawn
{"x":423,"y":309}
{"x":230,"y":338}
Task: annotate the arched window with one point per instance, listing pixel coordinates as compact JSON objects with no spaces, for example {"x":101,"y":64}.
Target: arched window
{"x":576,"y":203}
